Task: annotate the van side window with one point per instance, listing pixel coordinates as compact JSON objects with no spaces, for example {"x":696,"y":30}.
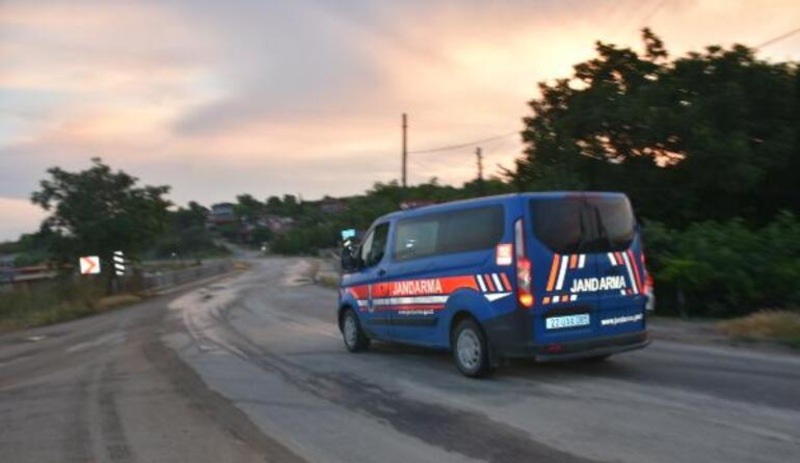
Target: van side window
{"x":416,"y":238}
{"x":472,"y":230}
{"x":375,"y":245}
{"x":449,"y":232}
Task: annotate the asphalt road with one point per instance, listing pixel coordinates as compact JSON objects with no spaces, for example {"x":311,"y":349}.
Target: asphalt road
{"x":252,"y":368}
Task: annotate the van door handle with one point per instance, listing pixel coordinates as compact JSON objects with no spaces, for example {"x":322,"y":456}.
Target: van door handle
{"x":381,"y":272}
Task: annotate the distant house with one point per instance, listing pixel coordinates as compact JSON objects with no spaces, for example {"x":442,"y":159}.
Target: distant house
{"x":332,"y":206}
{"x":413,"y":204}
{"x":221,"y":213}
{"x":277,"y":224}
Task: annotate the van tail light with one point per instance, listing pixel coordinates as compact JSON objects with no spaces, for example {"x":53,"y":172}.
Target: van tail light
{"x":524,"y":267}
{"x":648,"y":280}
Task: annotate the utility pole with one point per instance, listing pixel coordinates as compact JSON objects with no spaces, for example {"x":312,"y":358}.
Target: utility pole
{"x":405,"y":151}
{"x":479,"y":154}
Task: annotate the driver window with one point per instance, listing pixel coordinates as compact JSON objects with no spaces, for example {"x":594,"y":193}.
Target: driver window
{"x":375,"y":245}
{"x":366,"y":245}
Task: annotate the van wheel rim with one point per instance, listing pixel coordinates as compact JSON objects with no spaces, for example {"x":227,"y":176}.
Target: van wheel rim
{"x":468,"y":347}
{"x":350,"y":330}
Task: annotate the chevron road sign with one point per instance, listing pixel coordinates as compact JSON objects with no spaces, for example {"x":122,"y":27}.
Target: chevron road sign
{"x":90,"y":265}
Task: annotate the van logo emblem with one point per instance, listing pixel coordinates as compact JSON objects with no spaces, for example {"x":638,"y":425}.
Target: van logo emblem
{"x":582,"y":285}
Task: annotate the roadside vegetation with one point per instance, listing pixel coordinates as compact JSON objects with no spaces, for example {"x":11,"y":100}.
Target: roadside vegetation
{"x":95,"y":212}
{"x":56,"y":301}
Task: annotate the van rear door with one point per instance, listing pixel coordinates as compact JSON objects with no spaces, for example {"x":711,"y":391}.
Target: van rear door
{"x":622,"y":298}
{"x":588,"y":278}
{"x":559,"y":227}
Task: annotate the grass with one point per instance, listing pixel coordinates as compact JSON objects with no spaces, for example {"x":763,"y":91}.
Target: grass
{"x":328,"y":280}
{"x":56,"y":302}
{"x":239,"y":265}
{"x":781,"y":326}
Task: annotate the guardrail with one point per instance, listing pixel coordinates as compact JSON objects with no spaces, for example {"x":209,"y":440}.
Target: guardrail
{"x":162,"y":280}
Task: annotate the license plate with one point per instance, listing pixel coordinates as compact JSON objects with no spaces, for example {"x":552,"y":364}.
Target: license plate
{"x":567,"y":321}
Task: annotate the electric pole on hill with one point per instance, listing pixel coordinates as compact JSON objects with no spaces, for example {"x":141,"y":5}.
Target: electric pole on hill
{"x":405,"y":152}
{"x":479,"y":154}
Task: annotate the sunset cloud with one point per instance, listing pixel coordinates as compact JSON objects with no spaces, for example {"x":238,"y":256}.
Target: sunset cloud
{"x":304,"y":97}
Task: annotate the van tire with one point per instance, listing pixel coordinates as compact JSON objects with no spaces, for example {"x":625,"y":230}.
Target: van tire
{"x":470,"y":350}
{"x":355,"y":340}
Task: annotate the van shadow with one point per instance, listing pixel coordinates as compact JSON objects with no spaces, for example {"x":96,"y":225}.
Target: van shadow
{"x":623,"y":366}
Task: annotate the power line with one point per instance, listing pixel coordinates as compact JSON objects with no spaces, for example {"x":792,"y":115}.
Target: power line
{"x":464,"y":145}
{"x":653,"y":12}
{"x":630,"y":21}
{"x":779,"y":38}
{"x":610,"y":16}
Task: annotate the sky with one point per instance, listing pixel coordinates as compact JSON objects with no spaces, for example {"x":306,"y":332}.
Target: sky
{"x":305,"y":97}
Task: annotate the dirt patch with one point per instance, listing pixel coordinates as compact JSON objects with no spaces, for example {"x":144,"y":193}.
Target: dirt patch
{"x":781,"y":326}
{"x":109,"y":302}
{"x":301,"y":273}
{"x":328,"y":280}
{"x":241,"y":265}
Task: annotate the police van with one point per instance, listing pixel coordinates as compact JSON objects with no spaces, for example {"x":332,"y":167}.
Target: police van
{"x":553,"y":276}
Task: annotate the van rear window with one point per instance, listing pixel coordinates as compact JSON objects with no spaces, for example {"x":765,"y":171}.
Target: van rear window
{"x":583,"y":224}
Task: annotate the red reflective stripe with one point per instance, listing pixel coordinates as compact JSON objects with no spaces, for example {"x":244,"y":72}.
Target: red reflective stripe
{"x":573,"y":261}
{"x":636,"y":272}
{"x":390,"y":288}
{"x":506,"y":283}
{"x":451,"y":284}
{"x":359,"y":292}
{"x":553,"y":270}
{"x":381,"y":290}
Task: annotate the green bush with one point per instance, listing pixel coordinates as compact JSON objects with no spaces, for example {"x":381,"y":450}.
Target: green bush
{"x":305,"y":239}
{"x":726,"y":268}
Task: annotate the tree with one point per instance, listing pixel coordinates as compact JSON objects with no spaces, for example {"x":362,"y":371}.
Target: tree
{"x":248,"y":207}
{"x":194,"y":216}
{"x":712,"y":135}
{"x":98,"y":211}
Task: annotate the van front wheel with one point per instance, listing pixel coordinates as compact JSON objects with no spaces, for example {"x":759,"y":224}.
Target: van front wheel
{"x":470,"y":350}
{"x":354,"y":337}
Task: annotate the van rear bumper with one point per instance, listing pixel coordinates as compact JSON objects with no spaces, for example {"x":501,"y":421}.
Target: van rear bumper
{"x":574,"y":350}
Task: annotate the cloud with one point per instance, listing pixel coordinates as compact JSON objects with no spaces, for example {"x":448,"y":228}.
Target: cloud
{"x":304,"y":97}
{"x":18,"y":216}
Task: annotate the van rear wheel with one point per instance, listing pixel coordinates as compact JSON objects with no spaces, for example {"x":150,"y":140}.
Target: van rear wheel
{"x":470,"y":350}
{"x":354,"y":337}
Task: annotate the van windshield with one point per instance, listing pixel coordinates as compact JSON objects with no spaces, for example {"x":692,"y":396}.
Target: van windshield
{"x":583,"y":224}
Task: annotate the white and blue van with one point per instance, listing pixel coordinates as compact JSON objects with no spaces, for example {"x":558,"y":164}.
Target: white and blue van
{"x":546,"y":275}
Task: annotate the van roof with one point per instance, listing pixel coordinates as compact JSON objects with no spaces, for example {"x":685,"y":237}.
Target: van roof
{"x":494,"y":199}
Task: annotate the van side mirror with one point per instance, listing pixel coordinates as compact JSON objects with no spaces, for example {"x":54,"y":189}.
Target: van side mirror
{"x":349,"y":260}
